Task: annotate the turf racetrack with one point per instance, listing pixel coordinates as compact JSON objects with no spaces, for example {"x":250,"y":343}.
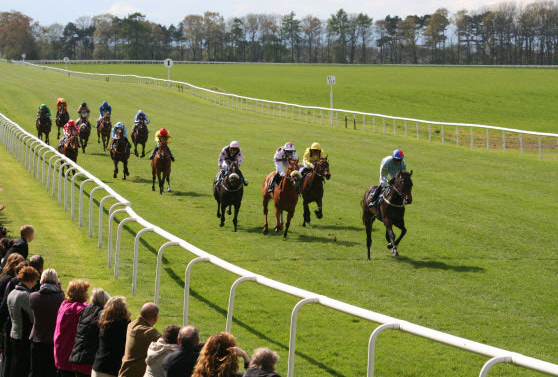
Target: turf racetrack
{"x":479,"y":260}
{"x":522,"y":98}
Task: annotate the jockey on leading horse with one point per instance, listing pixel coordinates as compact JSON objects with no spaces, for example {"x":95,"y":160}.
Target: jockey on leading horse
{"x":140,"y":117}
{"x":230,"y":153}
{"x":160,"y":137}
{"x":47,"y":110}
{"x":283,"y":156}
{"x":311,"y":156}
{"x":84,"y":108}
{"x":390,"y":165}
{"x":124,"y":134}
{"x":69,"y":129}
{"x":104,"y":108}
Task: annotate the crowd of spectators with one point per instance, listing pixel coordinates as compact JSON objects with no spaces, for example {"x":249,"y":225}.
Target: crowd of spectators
{"x":49,"y":332}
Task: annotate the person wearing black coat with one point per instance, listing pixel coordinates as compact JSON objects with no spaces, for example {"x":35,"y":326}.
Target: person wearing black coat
{"x":21,"y":245}
{"x":262,"y":364}
{"x":45,"y":304}
{"x":182,"y":361}
{"x":87,"y":336}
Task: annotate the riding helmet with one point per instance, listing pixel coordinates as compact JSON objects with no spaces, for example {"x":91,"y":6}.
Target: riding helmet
{"x":316,"y":146}
{"x":289,"y":146}
{"x":163,"y":132}
{"x":234,"y":144}
{"x":398,"y":154}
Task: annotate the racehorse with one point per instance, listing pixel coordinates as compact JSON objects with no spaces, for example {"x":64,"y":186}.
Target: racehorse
{"x":103,"y":129}
{"x":313,"y":188}
{"x":229,"y":193}
{"x":139,"y":136}
{"x":84,"y":130}
{"x":70,"y":148}
{"x":285,"y":197}
{"x":120,"y":152}
{"x":43,"y":125}
{"x":161,"y":167}
{"x":62,"y":117}
{"x":391,"y":210}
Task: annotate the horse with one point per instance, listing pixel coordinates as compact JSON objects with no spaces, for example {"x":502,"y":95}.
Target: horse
{"x":84,"y":131}
{"x":43,"y":125}
{"x":62,"y":117}
{"x":104,"y":127}
{"x":313,"y":188}
{"x":70,"y":148}
{"x":139,"y":136}
{"x":391,"y":210}
{"x":284,"y":195}
{"x":120,"y":152}
{"x":161,"y":167}
{"x":229,"y":193}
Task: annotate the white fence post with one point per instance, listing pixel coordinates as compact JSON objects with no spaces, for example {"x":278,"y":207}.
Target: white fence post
{"x":101,"y":209}
{"x":231,"y":300}
{"x":490,"y":363}
{"x":136,"y":258}
{"x":118,"y":242}
{"x":112,"y":214}
{"x":72,"y":193}
{"x":159,"y":263}
{"x":372,"y":345}
{"x":91,"y":197}
{"x":187,"y":275}
{"x":292,"y":339}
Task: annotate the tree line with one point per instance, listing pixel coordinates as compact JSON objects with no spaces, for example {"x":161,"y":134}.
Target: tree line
{"x":505,"y":33}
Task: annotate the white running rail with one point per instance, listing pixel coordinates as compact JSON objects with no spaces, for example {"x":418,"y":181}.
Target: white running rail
{"x":33,"y":154}
{"x":475,"y":135}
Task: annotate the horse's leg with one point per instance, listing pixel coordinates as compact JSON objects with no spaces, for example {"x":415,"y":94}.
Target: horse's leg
{"x":115,"y":168}
{"x":136,"y":148}
{"x":218,"y":200}
{"x":278,"y":222}
{"x":401,"y":225}
{"x":229,"y":212}
{"x":319,"y":213}
{"x":390,"y":237}
{"x":98,"y":136}
{"x":161,"y":181}
{"x":223,"y":207}
{"x":306,"y":214}
{"x":143,"y":150}
{"x":289,"y":217}
{"x":125,"y":163}
{"x":235,"y":219}
{"x":168,"y":183}
{"x":265,"y":211}
{"x":153,"y":172}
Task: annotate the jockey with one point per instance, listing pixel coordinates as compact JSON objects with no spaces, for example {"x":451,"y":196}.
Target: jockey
{"x":283,"y":156}
{"x":312,"y":155}
{"x":124,"y":134}
{"x":140,"y":117}
{"x":59,"y":103}
{"x":105,"y":107}
{"x":84,"y":107}
{"x":70,"y":129}
{"x":230,"y":153}
{"x":390,"y":165}
{"x":162,"y":136}
{"x":47,"y":110}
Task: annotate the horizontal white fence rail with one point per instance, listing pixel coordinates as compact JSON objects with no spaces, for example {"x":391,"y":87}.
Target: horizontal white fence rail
{"x":446,"y":132}
{"x":34,"y":155}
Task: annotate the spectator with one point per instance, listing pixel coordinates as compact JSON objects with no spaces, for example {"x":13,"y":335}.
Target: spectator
{"x":139,"y":336}
{"x":113,"y":323}
{"x":22,"y":321}
{"x":45,"y":304}
{"x":5,"y":245}
{"x":3,"y":232}
{"x":21,"y":245}
{"x":181,"y":362}
{"x":38,"y":263}
{"x":219,"y":357}
{"x":66,"y":326}
{"x":262,"y":364}
{"x":158,"y":350}
{"x":87,"y":336}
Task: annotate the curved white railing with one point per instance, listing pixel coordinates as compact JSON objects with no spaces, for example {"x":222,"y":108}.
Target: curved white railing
{"x":33,"y":154}
{"x":444,"y":131}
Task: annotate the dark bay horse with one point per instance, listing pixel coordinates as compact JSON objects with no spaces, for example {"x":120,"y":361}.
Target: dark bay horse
{"x":120,"y":152}
{"x":62,"y":117}
{"x":70,"y":148}
{"x":84,"y":131}
{"x":139,"y":136}
{"x":285,"y":197}
{"x":104,"y":127}
{"x":161,"y":167}
{"x":390,"y":211}
{"x":229,"y":193}
{"x":313,"y":188}
{"x":43,"y":125}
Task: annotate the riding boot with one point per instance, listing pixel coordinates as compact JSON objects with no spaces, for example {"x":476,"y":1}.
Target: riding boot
{"x":154,"y":152}
{"x":374,"y":196}
{"x":242,"y":178}
{"x":274,"y":182}
{"x":128,"y":143}
{"x":170,"y":153}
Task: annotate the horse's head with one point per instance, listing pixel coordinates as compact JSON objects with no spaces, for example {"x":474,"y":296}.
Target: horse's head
{"x":73,"y":142}
{"x":62,"y":107}
{"x":292,"y":173}
{"x":119,"y":133}
{"x":404,"y":185}
{"x":322,"y":168}
{"x":233,"y":167}
{"x":42,"y":112}
{"x":106,"y":117}
{"x":83,"y":114}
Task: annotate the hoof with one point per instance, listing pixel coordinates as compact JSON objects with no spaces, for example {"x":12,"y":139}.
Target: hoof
{"x":389,"y":246}
{"x":276,"y":229}
{"x":319,"y":215}
{"x":222,"y":225}
{"x":136,"y":153}
{"x":394,"y":253}
{"x":114,"y":175}
{"x":169,"y":190}
{"x":285,"y":235}
{"x":153,"y":188}
{"x":304,"y":224}
{"x":265,"y":230}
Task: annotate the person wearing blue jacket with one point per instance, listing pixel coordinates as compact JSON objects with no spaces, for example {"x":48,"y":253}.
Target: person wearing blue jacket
{"x":105,"y":107}
{"x":140,"y":117}
{"x":124,"y":134}
{"x":390,"y":166}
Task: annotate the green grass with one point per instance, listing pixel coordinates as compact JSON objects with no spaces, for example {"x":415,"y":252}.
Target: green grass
{"x":479,"y":261}
{"x":508,"y":97}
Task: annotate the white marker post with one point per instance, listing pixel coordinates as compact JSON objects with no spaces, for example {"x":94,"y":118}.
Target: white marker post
{"x":23,"y":56}
{"x":66,"y":60}
{"x":168,"y":63}
{"x":331,"y":82}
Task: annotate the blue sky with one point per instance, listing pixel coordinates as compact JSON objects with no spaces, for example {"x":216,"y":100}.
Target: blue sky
{"x":173,"y":11}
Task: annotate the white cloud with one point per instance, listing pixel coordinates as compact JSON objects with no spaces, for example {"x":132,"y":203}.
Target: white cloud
{"x":122,"y":9}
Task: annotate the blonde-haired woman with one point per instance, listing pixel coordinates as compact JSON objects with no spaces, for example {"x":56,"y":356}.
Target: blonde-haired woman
{"x":219,"y":357}
{"x":66,"y":327}
{"x":262,"y":363}
{"x":113,"y":324}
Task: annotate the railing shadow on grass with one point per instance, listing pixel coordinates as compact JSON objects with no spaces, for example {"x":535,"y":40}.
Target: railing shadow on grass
{"x":437,"y":265}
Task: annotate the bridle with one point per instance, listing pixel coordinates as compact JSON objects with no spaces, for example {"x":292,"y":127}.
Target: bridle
{"x":398,"y":192}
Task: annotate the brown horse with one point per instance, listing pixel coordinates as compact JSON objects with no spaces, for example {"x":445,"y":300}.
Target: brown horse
{"x":161,"y":167}
{"x":84,"y":131}
{"x":120,"y":152}
{"x":228,"y":192}
{"x":313,"y":188}
{"x":139,"y":136}
{"x":70,"y":148}
{"x":104,"y":127}
{"x":285,"y":197}
{"x":43,"y":125}
{"x":62,"y":117}
{"x":391,"y":210}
